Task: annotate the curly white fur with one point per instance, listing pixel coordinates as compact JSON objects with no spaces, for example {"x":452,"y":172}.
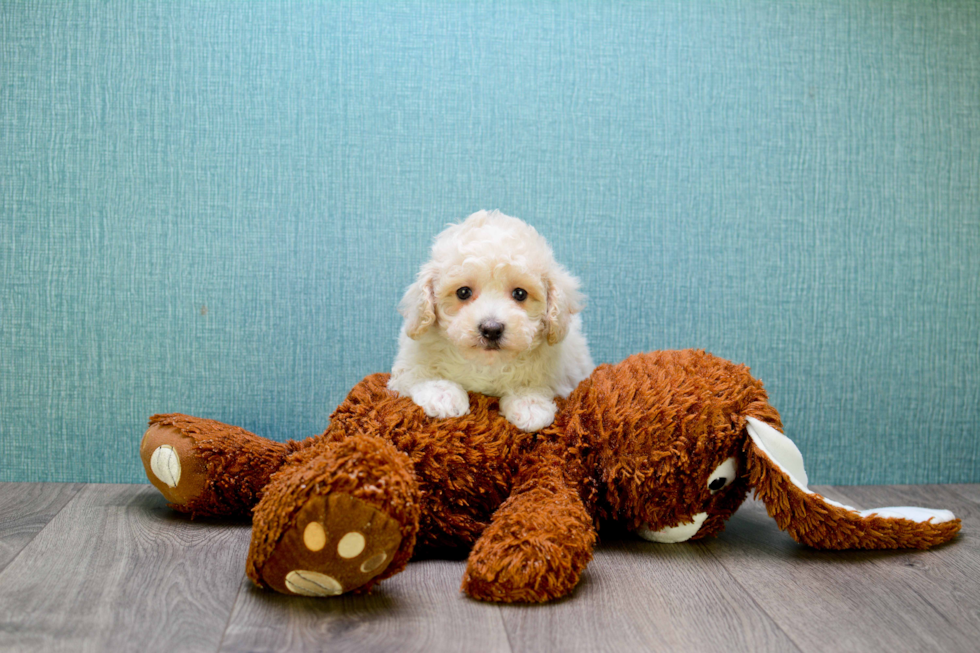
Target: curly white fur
{"x":444,"y":347}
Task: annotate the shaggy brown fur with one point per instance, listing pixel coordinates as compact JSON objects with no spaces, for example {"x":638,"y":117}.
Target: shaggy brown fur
{"x":634,"y":444}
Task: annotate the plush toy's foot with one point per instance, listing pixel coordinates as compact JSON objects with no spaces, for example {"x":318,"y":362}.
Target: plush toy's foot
{"x":335,"y":519}
{"x":172,"y":464}
{"x":208,"y":468}
{"x":337,"y":544}
{"x":535,"y":549}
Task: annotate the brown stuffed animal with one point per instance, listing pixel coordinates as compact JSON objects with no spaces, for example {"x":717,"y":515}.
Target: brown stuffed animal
{"x":665,"y":443}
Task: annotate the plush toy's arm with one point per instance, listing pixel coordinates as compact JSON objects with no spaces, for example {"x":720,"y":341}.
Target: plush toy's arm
{"x":777,"y":474}
{"x":538,"y":544}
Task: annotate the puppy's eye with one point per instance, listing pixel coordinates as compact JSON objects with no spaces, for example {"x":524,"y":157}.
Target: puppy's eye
{"x":519,"y":294}
{"x":464,"y":293}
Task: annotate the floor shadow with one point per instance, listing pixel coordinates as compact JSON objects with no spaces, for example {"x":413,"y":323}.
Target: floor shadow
{"x":377,"y":602}
{"x":152,"y":503}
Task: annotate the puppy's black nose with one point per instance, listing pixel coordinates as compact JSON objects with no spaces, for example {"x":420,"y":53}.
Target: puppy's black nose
{"x":491,"y":330}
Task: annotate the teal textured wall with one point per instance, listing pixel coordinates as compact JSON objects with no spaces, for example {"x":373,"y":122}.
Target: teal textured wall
{"x":213,"y":207}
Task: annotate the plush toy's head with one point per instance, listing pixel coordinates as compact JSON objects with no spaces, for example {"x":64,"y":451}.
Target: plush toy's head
{"x":679,"y":437}
{"x":667,"y":429}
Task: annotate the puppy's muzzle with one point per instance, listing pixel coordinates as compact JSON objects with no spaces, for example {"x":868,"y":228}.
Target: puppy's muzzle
{"x":491,"y":332}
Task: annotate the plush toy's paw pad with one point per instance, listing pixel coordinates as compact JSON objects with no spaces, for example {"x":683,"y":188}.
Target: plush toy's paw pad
{"x":337,"y":544}
{"x":171,"y":464}
{"x":528,"y":413}
{"x":442,"y":399}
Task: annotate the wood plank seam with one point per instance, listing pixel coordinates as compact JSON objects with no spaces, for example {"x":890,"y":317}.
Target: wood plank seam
{"x":958,"y":491}
{"x":503,"y":624}
{"x":75,"y":488}
{"x":231,"y":612}
{"x":933,"y":557}
{"x":752,"y":599}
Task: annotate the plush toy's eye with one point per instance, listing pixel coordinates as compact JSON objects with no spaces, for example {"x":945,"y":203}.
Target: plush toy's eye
{"x":464,"y":293}
{"x":718,"y":483}
{"x":519,"y":294}
{"x":723,"y":475}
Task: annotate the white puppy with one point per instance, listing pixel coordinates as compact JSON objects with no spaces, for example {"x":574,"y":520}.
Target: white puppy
{"x":491,"y":312}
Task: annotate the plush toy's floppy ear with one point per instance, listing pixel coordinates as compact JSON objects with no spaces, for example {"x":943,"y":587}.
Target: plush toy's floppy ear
{"x":776,"y":472}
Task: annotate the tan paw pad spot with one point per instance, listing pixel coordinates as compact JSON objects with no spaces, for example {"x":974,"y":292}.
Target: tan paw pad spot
{"x":373,"y":562}
{"x":312,"y":583}
{"x":314,"y":537}
{"x":351,"y":545}
{"x":165,"y":464}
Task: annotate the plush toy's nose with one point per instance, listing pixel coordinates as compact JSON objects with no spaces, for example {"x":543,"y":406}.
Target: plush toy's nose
{"x":492,"y":330}
{"x":673,"y":534}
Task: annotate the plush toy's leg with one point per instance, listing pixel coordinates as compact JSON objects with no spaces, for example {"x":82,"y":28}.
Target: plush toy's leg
{"x":338,"y":517}
{"x":538,"y":544}
{"x":208,"y":468}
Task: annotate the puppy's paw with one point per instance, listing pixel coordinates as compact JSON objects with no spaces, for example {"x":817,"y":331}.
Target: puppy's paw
{"x":529,"y":412}
{"x":441,"y":398}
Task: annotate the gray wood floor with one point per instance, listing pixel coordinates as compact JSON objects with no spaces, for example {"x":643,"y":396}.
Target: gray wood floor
{"x":110,"y":568}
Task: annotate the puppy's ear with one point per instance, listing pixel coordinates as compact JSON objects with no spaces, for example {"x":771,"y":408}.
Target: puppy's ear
{"x":418,"y":306}
{"x":564,"y":300}
{"x":776,"y":472}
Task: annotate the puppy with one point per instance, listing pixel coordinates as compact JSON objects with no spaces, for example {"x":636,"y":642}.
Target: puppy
{"x":491,"y":312}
